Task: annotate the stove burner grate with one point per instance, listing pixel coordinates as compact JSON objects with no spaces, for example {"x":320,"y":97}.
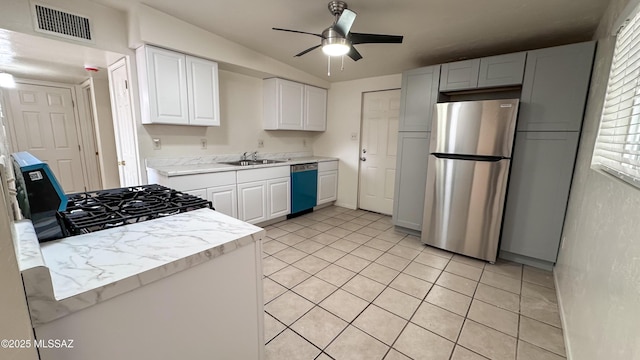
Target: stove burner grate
{"x":98,"y":210}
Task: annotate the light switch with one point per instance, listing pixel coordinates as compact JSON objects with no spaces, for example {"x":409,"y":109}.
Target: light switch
{"x":203,"y":143}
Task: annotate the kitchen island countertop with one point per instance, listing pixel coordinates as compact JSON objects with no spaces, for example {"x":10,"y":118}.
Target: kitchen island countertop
{"x":67,"y":275}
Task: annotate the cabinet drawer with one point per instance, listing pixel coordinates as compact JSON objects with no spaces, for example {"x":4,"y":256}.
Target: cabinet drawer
{"x":201,"y":181}
{"x":250,"y":175}
{"x":460,"y":75}
{"x":327,"y":165}
{"x":501,"y":70}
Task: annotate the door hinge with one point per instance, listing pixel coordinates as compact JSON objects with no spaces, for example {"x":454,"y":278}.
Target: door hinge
{"x":126,"y":84}
{"x":73,"y":103}
{"x":79,"y":149}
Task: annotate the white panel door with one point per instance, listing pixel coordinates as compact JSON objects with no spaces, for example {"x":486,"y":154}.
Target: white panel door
{"x":291,"y":105}
{"x":202,"y":89}
{"x":252,"y":202}
{"x":380,"y":115}
{"x":124,"y":124}
{"x":224,"y":199}
{"x":167,"y":86}
{"x":315,"y":112}
{"x":327,"y":186}
{"x":278,"y":197}
{"x":43,"y":123}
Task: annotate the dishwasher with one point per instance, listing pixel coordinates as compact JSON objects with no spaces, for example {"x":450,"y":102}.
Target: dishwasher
{"x":304,"y":188}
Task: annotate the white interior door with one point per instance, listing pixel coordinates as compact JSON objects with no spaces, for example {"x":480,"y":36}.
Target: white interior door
{"x":124,"y":124}
{"x":43,"y":122}
{"x":380,"y":115}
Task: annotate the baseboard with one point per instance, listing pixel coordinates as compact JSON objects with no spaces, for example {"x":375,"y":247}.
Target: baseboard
{"x":540,"y":264}
{"x":567,"y":344}
{"x":347,"y":206}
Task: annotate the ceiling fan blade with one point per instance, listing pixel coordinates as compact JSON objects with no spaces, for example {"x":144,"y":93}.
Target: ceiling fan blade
{"x":297,"y":31}
{"x":345,"y":21}
{"x":354,"y":54}
{"x":359,"y":38}
{"x":306,"y":51}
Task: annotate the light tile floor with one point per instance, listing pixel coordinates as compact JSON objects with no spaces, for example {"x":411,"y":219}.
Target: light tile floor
{"x":343,"y":284}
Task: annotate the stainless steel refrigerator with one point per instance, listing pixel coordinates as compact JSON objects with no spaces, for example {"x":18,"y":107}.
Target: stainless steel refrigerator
{"x":469,"y":161}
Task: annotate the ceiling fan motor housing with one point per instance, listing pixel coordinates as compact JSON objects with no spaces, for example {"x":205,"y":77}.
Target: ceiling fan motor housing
{"x":337,"y":7}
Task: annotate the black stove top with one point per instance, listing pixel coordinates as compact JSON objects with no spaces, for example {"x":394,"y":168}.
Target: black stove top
{"x":98,"y":210}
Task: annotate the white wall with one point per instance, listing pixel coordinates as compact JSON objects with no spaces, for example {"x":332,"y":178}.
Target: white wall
{"x":598,"y":268}
{"x":240,"y":130}
{"x":15,"y":322}
{"x":105,"y":134}
{"x":344,"y":117}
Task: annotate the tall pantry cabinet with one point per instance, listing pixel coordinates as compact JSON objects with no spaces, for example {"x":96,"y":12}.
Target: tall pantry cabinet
{"x":418,"y":95}
{"x":552,"y":103}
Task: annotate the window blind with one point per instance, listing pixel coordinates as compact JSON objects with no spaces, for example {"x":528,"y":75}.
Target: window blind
{"x":617,"y":149}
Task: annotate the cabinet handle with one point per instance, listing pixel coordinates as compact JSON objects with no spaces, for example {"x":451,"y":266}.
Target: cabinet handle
{"x":122,"y":163}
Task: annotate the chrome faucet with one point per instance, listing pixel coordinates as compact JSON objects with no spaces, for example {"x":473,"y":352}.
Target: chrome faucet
{"x":244,"y":156}
{"x":254,"y":156}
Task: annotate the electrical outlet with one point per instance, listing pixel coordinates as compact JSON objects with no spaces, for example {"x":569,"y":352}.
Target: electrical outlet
{"x":260,"y":143}
{"x":203,"y":143}
{"x":156,"y":144}
{"x":354,"y":136}
{"x":304,"y":142}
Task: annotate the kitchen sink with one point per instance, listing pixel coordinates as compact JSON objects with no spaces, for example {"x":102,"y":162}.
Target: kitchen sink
{"x":252,"y":162}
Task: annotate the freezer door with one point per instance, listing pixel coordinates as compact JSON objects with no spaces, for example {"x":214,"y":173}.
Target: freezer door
{"x":464,"y":201}
{"x":474,"y":127}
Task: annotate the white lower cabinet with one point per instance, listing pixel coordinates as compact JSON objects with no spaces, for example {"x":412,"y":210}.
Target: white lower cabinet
{"x":278,"y":198}
{"x":201,"y":193}
{"x":252,"y":202}
{"x":224,"y":199}
{"x":264,"y":193}
{"x":327,"y":182}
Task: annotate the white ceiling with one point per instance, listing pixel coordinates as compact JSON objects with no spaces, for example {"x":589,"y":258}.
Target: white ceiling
{"x":435,"y":31}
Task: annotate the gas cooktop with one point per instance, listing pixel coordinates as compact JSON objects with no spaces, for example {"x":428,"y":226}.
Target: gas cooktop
{"x":98,"y":210}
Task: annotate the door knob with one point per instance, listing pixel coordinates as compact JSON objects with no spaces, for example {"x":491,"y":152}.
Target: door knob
{"x":364,"y":151}
{"x":363,"y":159}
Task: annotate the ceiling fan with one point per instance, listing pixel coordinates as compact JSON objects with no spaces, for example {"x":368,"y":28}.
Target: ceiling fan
{"x":337,"y":40}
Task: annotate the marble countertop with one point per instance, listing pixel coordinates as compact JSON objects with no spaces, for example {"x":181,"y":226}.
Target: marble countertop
{"x":191,"y":169}
{"x":67,"y":275}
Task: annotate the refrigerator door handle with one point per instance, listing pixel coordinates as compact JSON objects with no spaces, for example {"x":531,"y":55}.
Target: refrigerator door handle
{"x":469,"y":157}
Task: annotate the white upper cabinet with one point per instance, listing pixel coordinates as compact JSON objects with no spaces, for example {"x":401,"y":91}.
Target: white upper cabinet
{"x":202,"y":92}
{"x":315,"y":108}
{"x":289,"y":105}
{"x":176,"y":88}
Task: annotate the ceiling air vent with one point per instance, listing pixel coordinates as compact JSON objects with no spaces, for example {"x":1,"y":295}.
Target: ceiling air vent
{"x":62,"y":24}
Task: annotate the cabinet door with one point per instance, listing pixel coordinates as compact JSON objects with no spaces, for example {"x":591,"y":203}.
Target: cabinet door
{"x":290,"y":105}
{"x":539,"y":184}
{"x":459,"y":75}
{"x":252,"y":202}
{"x":501,"y":70}
{"x":315,"y":108}
{"x":167,"y":86}
{"x":224,"y":199}
{"x":411,"y":179}
{"x":327,"y":186}
{"x":202,"y":91}
{"x":201,"y":193}
{"x":278,"y":197}
{"x":554,"y":91}
{"x":419,"y":93}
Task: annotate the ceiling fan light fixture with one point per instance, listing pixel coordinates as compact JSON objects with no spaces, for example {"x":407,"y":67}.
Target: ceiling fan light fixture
{"x":335,"y":49}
